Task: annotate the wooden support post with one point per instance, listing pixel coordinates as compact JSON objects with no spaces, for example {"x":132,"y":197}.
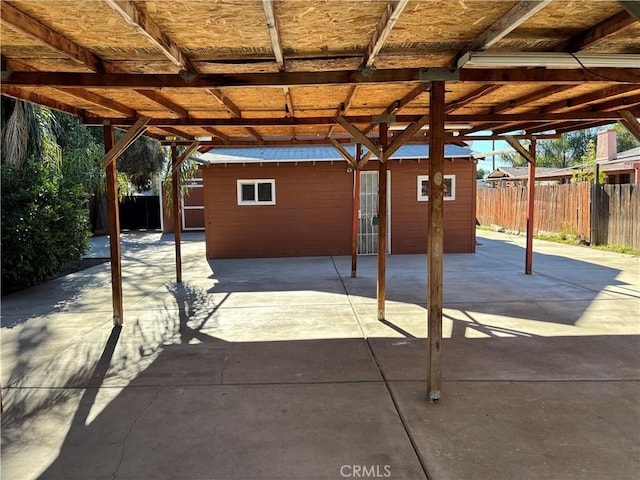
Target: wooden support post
{"x":382,"y":221}
{"x":111,"y":171}
{"x":435,"y":247}
{"x":177,"y":218}
{"x":531,"y":189}
{"x":356,"y":213}
{"x":595,"y":207}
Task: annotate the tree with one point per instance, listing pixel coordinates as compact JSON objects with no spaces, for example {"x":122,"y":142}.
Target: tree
{"x":514,"y":159}
{"x":564,"y":151}
{"x":143,"y":162}
{"x":625,"y":141}
{"x":44,"y":218}
{"x":480,"y":173}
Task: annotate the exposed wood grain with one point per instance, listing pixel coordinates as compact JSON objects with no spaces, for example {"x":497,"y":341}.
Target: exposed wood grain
{"x":21,"y":22}
{"x":127,"y":139}
{"x":114,"y":230}
{"x":435,"y":247}
{"x":389,"y":18}
{"x":382,"y":225}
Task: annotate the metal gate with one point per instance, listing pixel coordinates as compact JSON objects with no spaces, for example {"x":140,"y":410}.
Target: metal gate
{"x":368,"y":213}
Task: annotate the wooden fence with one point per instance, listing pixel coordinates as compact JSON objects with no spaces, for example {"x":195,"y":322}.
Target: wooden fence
{"x":567,"y":209}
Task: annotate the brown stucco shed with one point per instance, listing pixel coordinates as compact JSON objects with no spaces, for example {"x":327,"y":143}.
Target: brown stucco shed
{"x":312,"y":191}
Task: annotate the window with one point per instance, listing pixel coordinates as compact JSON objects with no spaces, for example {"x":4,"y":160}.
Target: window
{"x":449,"y":187}
{"x":256,"y":192}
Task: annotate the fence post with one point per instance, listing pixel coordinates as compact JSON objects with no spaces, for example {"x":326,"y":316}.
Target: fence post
{"x":595,"y":202}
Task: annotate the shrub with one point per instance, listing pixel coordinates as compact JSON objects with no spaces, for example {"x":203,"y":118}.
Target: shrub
{"x":44,"y":224}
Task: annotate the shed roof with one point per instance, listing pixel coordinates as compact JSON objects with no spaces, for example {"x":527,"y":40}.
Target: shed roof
{"x":316,"y":153}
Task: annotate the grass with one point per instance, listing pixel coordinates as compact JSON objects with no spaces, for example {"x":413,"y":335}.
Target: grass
{"x":569,"y":237}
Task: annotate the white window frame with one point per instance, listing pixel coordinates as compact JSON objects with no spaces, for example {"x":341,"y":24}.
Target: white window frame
{"x":255,"y":182}
{"x":425,"y":198}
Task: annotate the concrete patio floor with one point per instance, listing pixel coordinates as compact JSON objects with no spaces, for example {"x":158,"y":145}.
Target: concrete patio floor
{"x":278,"y":369}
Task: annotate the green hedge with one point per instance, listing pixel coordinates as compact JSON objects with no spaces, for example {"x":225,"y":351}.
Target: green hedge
{"x":44,"y":224}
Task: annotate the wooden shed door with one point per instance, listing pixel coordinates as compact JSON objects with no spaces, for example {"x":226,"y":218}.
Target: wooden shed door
{"x":368,"y":213}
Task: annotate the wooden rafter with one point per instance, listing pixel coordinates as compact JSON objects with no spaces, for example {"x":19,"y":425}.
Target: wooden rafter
{"x":225,"y":102}
{"x":632,"y":7}
{"x":274,"y":34}
{"x":389,"y":18}
{"x":127,"y":139}
{"x":177,"y":132}
{"x":36,"y":98}
{"x":519,"y":14}
{"x":232,"y":108}
{"x":399,"y":104}
{"x":162,"y":100}
{"x":289,"y":102}
{"x":343,"y":107}
{"x":618,"y":22}
{"x":139,"y":20}
{"x":471,"y":97}
{"x":217,"y":133}
{"x":17,"y":20}
{"x":631,"y":123}
{"x":531,"y":97}
{"x":100,"y":101}
{"x":582,"y":102}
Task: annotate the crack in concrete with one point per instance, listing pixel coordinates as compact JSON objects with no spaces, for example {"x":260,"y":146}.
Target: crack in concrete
{"x":131,"y":427}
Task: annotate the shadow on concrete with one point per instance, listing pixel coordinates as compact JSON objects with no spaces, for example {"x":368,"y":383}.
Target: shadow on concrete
{"x":203,"y":407}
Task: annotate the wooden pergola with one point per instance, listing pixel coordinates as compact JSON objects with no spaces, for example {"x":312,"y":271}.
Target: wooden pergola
{"x":278,"y":72}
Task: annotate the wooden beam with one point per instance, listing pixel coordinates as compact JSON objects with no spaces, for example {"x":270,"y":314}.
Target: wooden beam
{"x":515,"y":17}
{"x":161,"y":100}
{"x":555,"y":76}
{"x":355,"y":214}
{"x":359,"y":136}
{"x":113,"y":210}
{"x":139,"y":20}
{"x":289,"y":102}
{"x":274,"y":34}
{"x":365,"y":159}
{"x":350,"y":121}
{"x":31,"y":96}
{"x":406,"y":135}
{"x":177,"y":210}
{"x":531,"y":97}
{"x":515,"y":144}
{"x":232,"y":109}
{"x":186,"y":154}
{"x":343,"y":107}
{"x":347,"y":156}
{"x":100,"y":101}
{"x":531,"y":189}
{"x":132,"y":134}
{"x":435,"y":235}
{"x":179,"y":133}
{"x":21,"y":22}
{"x":217,"y":133}
{"x":391,"y":14}
{"x":471,"y":97}
{"x":632,"y":7}
{"x":631,"y":123}
{"x":610,"y":26}
{"x":399,"y":104}
{"x":382,"y":223}
{"x":225,"y":102}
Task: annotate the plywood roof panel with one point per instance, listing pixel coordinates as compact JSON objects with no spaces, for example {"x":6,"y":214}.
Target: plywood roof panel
{"x":230,"y":39}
